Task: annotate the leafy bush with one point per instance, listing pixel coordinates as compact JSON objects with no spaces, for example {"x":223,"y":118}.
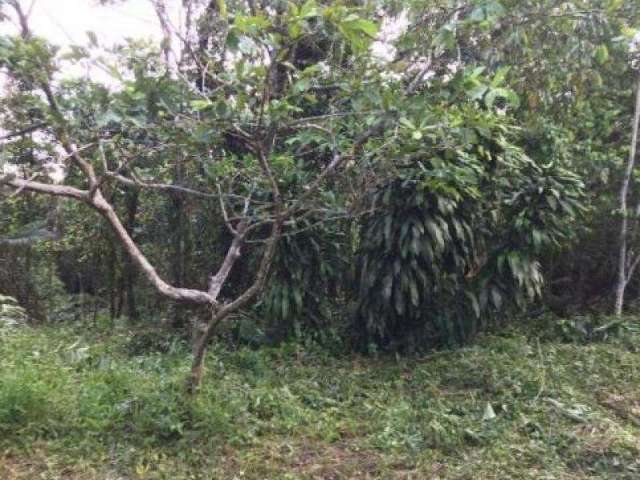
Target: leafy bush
{"x":23,"y":401}
{"x":584,"y":329}
{"x":302,"y":292}
{"x":455,"y":236}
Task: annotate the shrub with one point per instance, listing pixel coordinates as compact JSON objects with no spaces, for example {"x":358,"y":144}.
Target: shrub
{"x":25,"y":401}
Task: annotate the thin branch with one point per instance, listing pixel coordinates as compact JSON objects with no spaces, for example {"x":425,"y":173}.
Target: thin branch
{"x":24,"y":131}
{"x":233,"y":253}
{"x":241,"y":301}
{"x":45,"y":188}
{"x":225,"y":214}
{"x":312,"y":187}
{"x":19,"y":190}
{"x":275,"y":190}
{"x":134,"y":181}
{"x":632,"y":268}
{"x":34,"y":237}
{"x":315,"y":118}
{"x":161,"y":12}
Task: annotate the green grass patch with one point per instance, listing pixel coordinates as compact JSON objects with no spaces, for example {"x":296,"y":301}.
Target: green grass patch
{"x":78,"y":406}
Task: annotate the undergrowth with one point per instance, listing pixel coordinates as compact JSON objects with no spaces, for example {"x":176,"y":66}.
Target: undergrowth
{"x":82,"y":406}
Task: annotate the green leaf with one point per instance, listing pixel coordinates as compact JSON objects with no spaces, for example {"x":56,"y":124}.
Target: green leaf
{"x":301,"y":85}
{"x":496,"y":297}
{"x":309,"y":9}
{"x":251,"y":24}
{"x":601,"y":54}
{"x":200,"y":105}
{"x":232,"y":41}
{"x":108,"y":117}
{"x":500,"y":76}
{"x":399,"y":303}
{"x":477,"y":92}
{"x":405,"y":122}
{"x":415,"y":297}
{"x":509,"y":95}
{"x":365,"y":26}
{"x":474,"y":302}
{"x":222,"y":9}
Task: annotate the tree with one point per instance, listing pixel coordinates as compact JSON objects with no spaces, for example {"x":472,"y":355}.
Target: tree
{"x":568,"y":63}
{"x":268,"y":97}
{"x":627,"y":262}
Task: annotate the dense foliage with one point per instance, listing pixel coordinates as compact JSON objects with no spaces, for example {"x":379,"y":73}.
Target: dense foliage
{"x":387,"y":234}
{"x":457,"y":233}
{"x":426,"y":169}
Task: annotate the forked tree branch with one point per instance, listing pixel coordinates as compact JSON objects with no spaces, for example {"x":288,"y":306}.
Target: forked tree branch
{"x":94,"y":198}
{"x":179,"y":294}
{"x":99,"y":203}
{"x":227,"y":309}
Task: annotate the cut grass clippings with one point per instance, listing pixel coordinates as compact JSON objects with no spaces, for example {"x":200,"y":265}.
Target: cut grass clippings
{"x":79,"y":407}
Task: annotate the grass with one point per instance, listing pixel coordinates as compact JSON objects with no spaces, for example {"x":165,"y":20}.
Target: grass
{"x":75,"y":406}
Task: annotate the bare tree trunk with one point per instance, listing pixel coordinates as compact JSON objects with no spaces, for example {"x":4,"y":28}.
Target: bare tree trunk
{"x":220,"y":313}
{"x":625,"y":268}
